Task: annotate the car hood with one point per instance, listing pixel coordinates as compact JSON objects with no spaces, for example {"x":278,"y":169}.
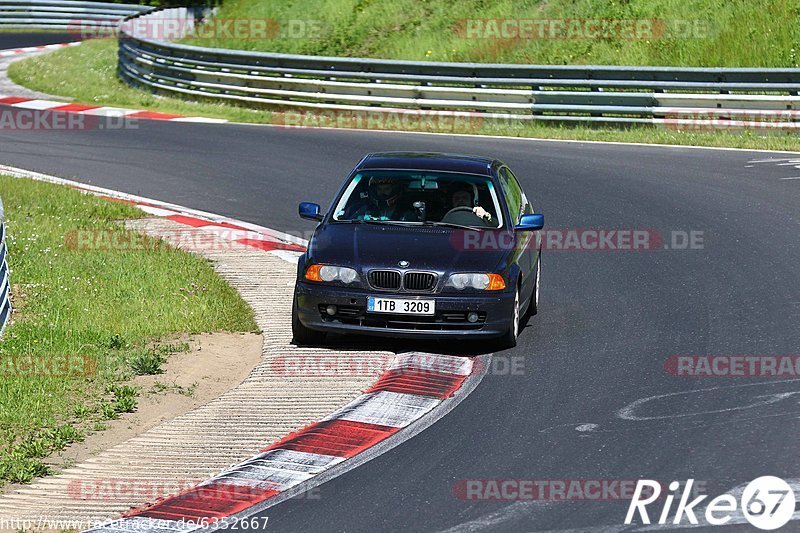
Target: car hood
{"x":431,"y":248}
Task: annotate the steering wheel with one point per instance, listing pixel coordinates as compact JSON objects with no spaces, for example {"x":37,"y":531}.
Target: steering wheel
{"x":463,"y":215}
{"x":457,"y":210}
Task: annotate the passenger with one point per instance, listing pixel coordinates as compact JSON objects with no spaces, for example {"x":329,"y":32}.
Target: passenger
{"x":463,"y":198}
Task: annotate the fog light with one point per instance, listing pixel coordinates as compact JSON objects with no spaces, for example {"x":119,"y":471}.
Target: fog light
{"x":331,"y":310}
{"x":472,"y":317}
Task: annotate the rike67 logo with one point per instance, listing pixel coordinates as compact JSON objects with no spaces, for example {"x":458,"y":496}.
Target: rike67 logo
{"x":767,"y":503}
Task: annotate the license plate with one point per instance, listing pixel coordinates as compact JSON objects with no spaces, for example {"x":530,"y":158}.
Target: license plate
{"x":400,"y":306}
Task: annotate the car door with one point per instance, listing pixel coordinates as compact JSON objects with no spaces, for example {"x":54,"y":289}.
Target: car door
{"x":518,"y":205}
{"x":534,"y":243}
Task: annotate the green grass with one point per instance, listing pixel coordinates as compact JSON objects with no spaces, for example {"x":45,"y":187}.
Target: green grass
{"x":104,"y":308}
{"x":88,"y":74}
{"x":746,"y":33}
{"x":647,"y":134}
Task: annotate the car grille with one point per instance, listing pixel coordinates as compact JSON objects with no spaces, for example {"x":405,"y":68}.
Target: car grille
{"x":384,"y":279}
{"x":419,"y":281}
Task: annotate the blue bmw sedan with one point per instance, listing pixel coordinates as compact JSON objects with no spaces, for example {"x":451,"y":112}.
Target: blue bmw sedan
{"x":421,"y":245}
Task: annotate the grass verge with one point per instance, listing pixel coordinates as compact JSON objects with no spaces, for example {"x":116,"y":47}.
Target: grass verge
{"x":88,"y":320}
{"x":703,"y":33}
{"x":87,"y":73}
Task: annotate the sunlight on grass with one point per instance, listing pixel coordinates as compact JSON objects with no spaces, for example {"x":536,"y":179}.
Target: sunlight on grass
{"x":757,"y":33}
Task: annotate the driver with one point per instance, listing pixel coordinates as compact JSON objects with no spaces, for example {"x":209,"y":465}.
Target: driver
{"x":463,"y":195}
{"x":384,"y":194}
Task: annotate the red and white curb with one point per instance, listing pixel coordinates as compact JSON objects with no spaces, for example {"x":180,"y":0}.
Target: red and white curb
{"x":29,"y":49}
{"x":100,"y":111}
{"x":88,"y":110}
{"x":415,"y":390}
{"x":281,"y":244}
{"x":36,"y":104}
{"x":411,"y":388}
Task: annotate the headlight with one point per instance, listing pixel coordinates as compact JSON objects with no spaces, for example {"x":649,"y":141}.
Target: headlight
{"x":480,"y":281}
{"x":329,"y":273}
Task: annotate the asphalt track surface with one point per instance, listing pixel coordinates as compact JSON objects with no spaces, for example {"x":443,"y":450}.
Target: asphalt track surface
{"x":21,"y":40}
{"x":608,"y":319}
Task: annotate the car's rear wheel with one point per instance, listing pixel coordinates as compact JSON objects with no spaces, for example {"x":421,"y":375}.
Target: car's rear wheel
{"x":509,"y":340}
{"x":301,"y":335}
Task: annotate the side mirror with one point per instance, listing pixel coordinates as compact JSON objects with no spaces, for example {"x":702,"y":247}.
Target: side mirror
{"x":309,"y":211}
{"x":530,"y":222}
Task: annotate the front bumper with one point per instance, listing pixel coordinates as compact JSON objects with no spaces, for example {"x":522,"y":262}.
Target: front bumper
{"x":494,"y":311}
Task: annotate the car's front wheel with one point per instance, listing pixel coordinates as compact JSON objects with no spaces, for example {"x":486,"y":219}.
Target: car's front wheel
{"x":509,"y":340}
{"x":301,"y":335}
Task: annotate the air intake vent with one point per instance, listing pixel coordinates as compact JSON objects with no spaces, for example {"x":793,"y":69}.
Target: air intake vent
{"x":419,"y":281}
{"x":384,"y":279}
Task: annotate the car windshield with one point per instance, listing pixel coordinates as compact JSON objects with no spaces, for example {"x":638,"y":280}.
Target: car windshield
{"x":420,"y":197}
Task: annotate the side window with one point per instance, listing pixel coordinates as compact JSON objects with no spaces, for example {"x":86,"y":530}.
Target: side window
{"x":525,"y":205}
{"x":517,"y":203}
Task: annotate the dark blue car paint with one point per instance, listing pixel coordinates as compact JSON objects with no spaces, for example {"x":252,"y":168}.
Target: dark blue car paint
{"x":506,"y":251}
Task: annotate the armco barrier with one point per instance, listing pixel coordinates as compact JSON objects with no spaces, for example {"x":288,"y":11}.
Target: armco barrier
{"x":5,"y":281}
{"x":503,"y":91}
{"x":63,"y":14}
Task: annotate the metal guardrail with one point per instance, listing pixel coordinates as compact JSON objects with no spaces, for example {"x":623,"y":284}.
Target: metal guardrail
{"x":63,"y":14}
{"x":5,"y":282}
{"x":500,"y":91}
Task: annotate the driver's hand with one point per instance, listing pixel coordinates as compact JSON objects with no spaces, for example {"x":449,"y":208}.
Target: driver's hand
{"x":482,"y":213}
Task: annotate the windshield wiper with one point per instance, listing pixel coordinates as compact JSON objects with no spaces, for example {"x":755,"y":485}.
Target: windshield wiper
{"x":450,"y":225}
{"x":367,"y":221}
{"x":410,"y":223}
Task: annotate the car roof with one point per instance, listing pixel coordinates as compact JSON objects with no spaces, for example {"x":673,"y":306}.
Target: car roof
{"x":469,"y":164}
